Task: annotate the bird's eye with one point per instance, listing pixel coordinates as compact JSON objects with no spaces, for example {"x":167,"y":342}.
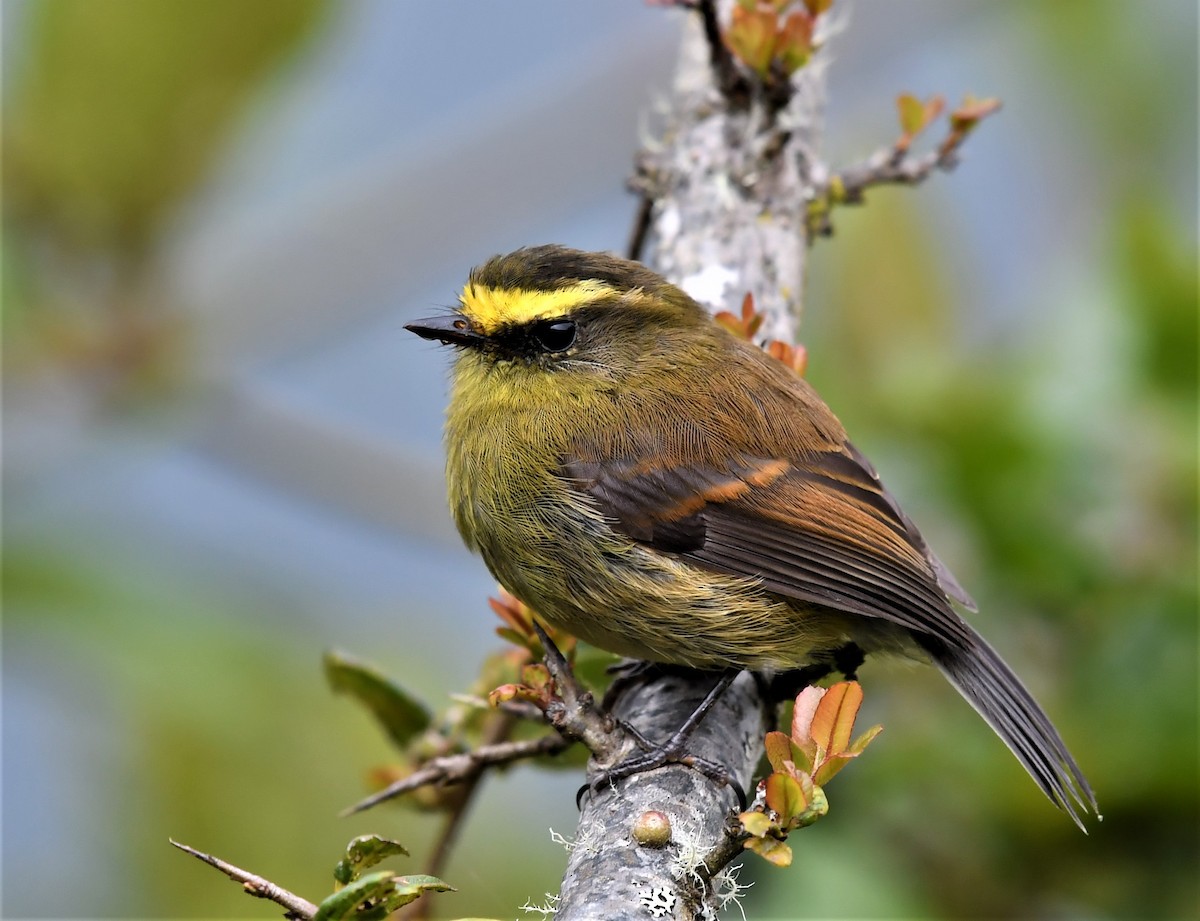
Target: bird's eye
{"x":555,"y":335}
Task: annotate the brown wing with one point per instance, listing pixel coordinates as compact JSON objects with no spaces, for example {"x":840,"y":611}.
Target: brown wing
{"x":819,"y":528}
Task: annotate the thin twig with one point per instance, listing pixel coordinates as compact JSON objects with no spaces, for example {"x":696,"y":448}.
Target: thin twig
{"x":450,"y":769}
{"x":498,"y":731}
{"x":641,"y":227}
{"x":573,"y":711}
{"x":730,"y":81}
{"x":255,"y":885}
{"x":892,"y":165}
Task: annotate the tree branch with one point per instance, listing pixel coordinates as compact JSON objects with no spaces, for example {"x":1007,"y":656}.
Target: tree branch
{"x":459,"y":768}
{"x":255,"y":885}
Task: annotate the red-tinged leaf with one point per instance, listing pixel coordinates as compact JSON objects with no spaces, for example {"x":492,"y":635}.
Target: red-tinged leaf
{"x":795,"y":42}
{"x":771,"y":849}
{"x":802,"y":719}
{"x":756,"y":823}
{"x":779,"y":750}
{"x":834,"y":718}
{"x":732,"y":323}
{"x":786,"y":797}
{"x":751,"y":37}
{"x":817,"y":7}
{"x":504,"y":693}
{"x":972,"y":110}
{"x":748,"y":312}
{"x":933,"y":108}
{"x":833,"y":721}
{"x":799,"y":360}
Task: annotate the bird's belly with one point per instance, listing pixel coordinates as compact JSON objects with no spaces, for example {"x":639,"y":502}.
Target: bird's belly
{"x":564,"y":560}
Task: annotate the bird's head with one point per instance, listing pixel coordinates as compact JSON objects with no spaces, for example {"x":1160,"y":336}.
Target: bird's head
{"x":550,"y":310}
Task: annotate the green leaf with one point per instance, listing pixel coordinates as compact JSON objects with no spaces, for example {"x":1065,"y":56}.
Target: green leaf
{"x":402,"y":716}
{"x":408,"y":888}
{"x":345,"y":902}
{"x":912,"y":114}
{"x":363,"y":853}
{"x":786,"y":797}
{"x":864,"y":740}
{"x":377,"y":895}
{"x":120,"y":109}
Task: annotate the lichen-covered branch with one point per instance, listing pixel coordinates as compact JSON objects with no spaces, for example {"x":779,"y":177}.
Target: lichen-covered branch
{"x":725,"y":189}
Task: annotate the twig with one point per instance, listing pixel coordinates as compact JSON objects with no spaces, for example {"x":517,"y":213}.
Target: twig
{"x":498,"y":731}
{"x":255,"y":885}
{"x":451,"y":769}
{"x":892,"y":165}
{"x":573,"y":711}
{"x":641,"y":227}
{"x":730,"y":81}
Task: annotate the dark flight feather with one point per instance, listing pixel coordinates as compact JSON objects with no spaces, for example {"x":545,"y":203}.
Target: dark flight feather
{"x":822,"y":530}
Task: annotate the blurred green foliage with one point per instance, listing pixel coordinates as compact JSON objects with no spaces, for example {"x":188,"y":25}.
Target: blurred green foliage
{"x":120,"y":108}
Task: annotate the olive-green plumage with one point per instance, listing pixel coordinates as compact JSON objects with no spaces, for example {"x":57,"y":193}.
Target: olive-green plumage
{"x":666,"y":491}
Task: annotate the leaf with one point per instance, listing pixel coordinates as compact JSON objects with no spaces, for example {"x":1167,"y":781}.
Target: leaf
{"x":377,"y":895}
{"x":802,"y":717}
{"x":751,"y":36}
{"x":912,"y":114}
{"x":123,"y":108}
{"x":403,"y":717}
{"x":408,"y":888}
{"x":779,"y":750}
{"x":861,"y":743}
{"x":363,"y":853}
{"x":756,"y":823}
{"x":771,"y":849}
{"x":345,"y":902}
{"x":786,"y":797}
{"x":794,"y":44}
{"x":833,"y":721}
{"x":971,"y":111}
{"x":817,"y":7}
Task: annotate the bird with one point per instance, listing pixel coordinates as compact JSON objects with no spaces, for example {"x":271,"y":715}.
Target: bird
{"x":665,"y":490}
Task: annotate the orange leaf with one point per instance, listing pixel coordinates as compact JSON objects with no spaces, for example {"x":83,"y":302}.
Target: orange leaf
{"x":751,"y":36}
{"x":833,"y":721}
{"x":772,"y":849}
{"x":967,"y":115}
{"x":779,"y":750}
{"x":795,"y":41}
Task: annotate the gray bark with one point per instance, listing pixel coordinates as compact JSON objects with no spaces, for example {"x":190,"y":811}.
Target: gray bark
{"x":729,"y":186}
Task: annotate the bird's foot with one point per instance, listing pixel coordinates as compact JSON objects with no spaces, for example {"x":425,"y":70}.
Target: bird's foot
{"x":672,"y":751}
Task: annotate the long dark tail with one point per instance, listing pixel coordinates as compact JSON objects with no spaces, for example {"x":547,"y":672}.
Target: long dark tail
{"x":999,"y":697}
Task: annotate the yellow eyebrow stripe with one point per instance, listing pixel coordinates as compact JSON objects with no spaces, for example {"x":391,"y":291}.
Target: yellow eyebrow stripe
{"x":490,"y":309}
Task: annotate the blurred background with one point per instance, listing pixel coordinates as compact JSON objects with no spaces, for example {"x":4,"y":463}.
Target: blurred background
{"x":221,"y":449}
